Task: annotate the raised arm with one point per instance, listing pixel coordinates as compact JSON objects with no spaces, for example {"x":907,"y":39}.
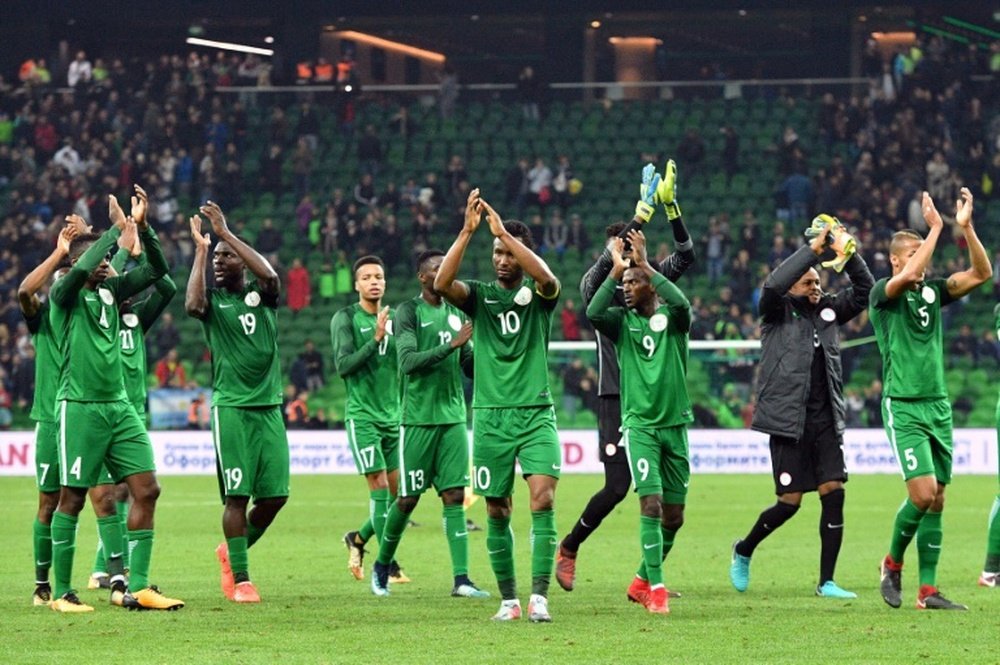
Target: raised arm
{"x":602,"y":315}
{"x":65,"y":290}
{"x":255,"y":263}
{"x":595,"y":275}
{"x":914,"y":269}
{"x":150,"y":309}
{"x":446,"y":283}
{"x":147,"y":272}
{"x":410,"y":358}
{"x":980,"y":270}
{"x":677,"y":302}
{"x":546,"y":282}
{"x":196,"y":297}
{"x":27,"y":292}
{"x":346,"y":359}
{"x":851,"y":302}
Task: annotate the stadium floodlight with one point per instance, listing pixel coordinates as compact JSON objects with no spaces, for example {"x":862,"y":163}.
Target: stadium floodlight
{"x":229,"y":46}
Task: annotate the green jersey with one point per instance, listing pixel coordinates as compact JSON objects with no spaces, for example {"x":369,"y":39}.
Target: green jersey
{"x":652,"y":354}
{"x":510,"y":329}
{"x":369,"y":368}
{"x":241,"y":329}
{"x":430,"y":368}
{"x":134,"y":326}
{"x":86,"y":322}
{"x":47,"y":365}
{"x":909,"y":336}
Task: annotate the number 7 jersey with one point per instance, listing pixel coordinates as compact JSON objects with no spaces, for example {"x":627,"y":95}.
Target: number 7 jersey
{"x":242,"y":334}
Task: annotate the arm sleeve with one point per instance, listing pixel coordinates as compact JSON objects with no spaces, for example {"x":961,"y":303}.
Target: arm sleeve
{"x":466,"y":359}
{"x":605,"y":318}
{"x":852,"y":301}
{"x":677,"y":302}
{"x":410,"y":359}
{"x":120,"y":260}
{"x":469,"y":306}
{"x":153,"y":306}
{"x":782,"y":278}
{"x":146,"y":273}
{"x":877,"y":298}
{"x":346,"y":359}
{"x":677,"y":263}
{"x":66,"y":288}
{"x":593,"y":278}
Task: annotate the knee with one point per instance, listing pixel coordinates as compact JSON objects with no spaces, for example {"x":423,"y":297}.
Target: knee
{"x":406,"y":504}
{"x":498,"y":509}
{"x":543,"y":498}
{"x":104,"y":503}
{"x":70,"y":502}
{"x":618,"y":489}
{"x":673,"y":518}
{"x":650,"y":506}
{"x":47,"y":503}
{"x":452,"y":497}
{"x":147,"y":492}
{"x":938,"y":504}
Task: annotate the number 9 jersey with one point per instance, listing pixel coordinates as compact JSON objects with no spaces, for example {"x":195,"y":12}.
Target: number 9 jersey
{"x":242,"y":334}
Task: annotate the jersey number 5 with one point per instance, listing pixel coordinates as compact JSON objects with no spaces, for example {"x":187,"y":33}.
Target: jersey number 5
{"x":925,"y":317}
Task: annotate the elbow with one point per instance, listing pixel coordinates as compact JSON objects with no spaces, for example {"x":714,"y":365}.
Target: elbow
{"x":441,"y":284}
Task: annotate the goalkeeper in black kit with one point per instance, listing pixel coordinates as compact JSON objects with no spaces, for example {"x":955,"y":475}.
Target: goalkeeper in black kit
{"x":656,"y":190}
{"x":800,"y":400}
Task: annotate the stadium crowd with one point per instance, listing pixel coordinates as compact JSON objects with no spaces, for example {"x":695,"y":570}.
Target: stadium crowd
{"x":82,"y":128}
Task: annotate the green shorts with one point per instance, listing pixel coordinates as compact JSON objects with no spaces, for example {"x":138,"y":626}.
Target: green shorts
{"x":920,"y":432}
{"x":374,"y":445}
{"x":658,"y":458}
{"x":93,"y":435}
{"x":499,"y":436}
{"x":433,"y":455}
{"x":47,"y":456}
{"x":251,"y":451}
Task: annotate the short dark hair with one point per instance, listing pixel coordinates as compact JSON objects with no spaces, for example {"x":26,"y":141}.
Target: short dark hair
{"x":80,"y":244}
{"x":899,"y":237}
{"x":520,"y":230}
{"x":614,"y":229}
{"x":424,"y":256}
{"x":366,"y":260}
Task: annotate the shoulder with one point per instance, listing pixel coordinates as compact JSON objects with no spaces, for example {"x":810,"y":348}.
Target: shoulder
{"x":877,"y":296}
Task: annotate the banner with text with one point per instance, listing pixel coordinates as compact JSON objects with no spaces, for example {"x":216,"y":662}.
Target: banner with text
{"x":712,"y":451}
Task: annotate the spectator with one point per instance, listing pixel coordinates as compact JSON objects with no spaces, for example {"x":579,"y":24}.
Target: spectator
{"x":455,"y":175}
{"x":716,"y":246}
{"x":570,"y":319}
{"x":308,"y":126}
{"x":691,"y":151}
{"x":797,"y":190}
{"x":964,"y":346}
{"x":447,"y":92}
{"x":167,"y":336}
{"x":198,"y":413}
{"x":299,"y":288}
{"x":540,"y":184}
{"x":364,"y":192}
{"x":369,"y":152}
{"x":313,"y":362}
{"x":80,"y":72}
{"x":170,"y":372}
{"x":529,"y":91}
{"x":269,"y":240}
{"x":303,"y":162}
{"x":304,"y":212}
{"x":573,"y":376}
{"x":561,"y":183}
{"x":578,"y":237}
{"x":518,"y":186}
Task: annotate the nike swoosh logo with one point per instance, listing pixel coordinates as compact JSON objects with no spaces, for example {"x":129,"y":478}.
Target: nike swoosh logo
{"x":495,"y":551}
{"x":364,"y":330}
{"x":834,"y":526}
{"x":635,"y":329}
{"x":686,"y":485}
{"x":461,"y":534}
{"x":490,"y":302}
{"x":42,"y":563}
{"x":59,"y":542}
{"x":905,"y":535}
{"x":933,"y":547}
{"x":425,"y":324}
{"x":649,"y":547}
{"x":225,"y":305}
{"x":115,"y":555}
{"x":556,"y":467}
{"x":88,"y":299}
{"x":584,"y":524}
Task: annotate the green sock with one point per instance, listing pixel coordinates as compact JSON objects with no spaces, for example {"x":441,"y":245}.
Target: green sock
{"x":500,"y":547}
{"x":122,"y":507}
{"x":651,"y":540}
{"x":366,"y":531}
{"x":63,"y":549}
{"x":253,"y":534}
{"x":378,"y":508}
{"x":668,"y":540}
{"x":141,"y":551}
{"x":42,"y":539}
{"x":543,"y":549}
{"x":100,"y":566}
{"x":109,"y":533}
{"x":395,"y":525}
{"x":992,"y":543}
{"x":239,"y":560}
{"x":929,"y":538}
{"x":908,"y":519}
{"x":458,"y":538}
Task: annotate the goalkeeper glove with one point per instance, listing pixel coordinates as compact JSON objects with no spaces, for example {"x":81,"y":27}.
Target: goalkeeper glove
{"x":666,"y":191}
{"x":839,"y":240}
{"x":647,"y":193}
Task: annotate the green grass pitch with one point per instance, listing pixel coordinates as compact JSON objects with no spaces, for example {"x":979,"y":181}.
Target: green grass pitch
{"x":314,"y":612}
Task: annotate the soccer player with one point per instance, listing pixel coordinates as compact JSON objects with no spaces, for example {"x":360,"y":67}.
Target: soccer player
{"x":651,"y":341}
{"x":136,"y":320}
{"x":617,"y":478}
{"x":800,"y":400}
{"x":364,"y":352}
{"x":432,"y":348}
{"x":991,"y":569}
{"x":905,"y":311}
{"x":97,"y":423}
{"x":513,"y":418}
{"x":239,"y":317}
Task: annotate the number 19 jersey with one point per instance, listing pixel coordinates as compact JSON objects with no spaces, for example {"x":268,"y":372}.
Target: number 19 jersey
{"x":242,"y":333}
{"x":511,"y":329}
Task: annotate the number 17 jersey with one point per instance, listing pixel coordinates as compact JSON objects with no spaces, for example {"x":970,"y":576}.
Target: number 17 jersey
{"x":242,"y":333}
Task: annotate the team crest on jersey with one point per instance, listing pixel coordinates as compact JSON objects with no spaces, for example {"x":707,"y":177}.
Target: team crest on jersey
{"x":523,"y":296}
{"x":828,"y":315}
{"x":658,"y":322}
{"x":927,"y":293}
{"x":106,"y":296}
{"x":252,"y":299}
{"x":388,"y":327}
{"x":130,"y":320}
{"x":454,"y":322}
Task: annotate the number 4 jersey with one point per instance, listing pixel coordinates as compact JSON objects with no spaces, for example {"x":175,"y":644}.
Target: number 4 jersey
{"x":908,"y":331}
{"x":242,"y":333}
